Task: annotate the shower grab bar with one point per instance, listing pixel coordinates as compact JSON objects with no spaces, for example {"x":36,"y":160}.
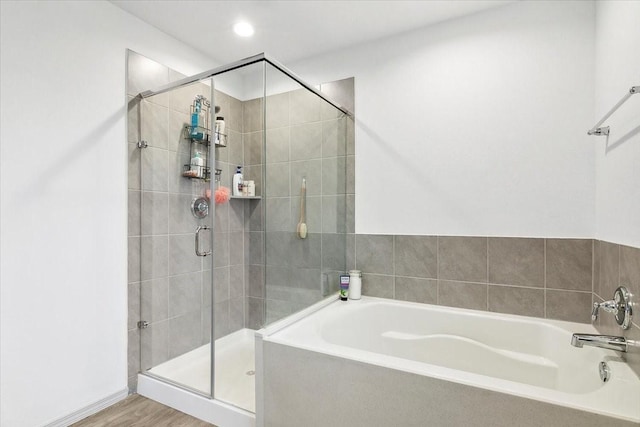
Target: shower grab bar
{"x":198,"y":230}
{"x":596,"y":129}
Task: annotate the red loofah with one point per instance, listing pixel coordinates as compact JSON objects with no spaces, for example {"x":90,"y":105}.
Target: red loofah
{"x":222,"y":195}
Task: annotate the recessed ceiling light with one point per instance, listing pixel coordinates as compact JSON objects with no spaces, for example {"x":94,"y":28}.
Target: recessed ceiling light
{"x":243,"y":29}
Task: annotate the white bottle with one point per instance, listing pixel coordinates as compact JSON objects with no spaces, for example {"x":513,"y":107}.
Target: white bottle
{"x":236,"y":185}
{"x":197,"y":164}
{"x":220,"y":127}
{"x":355,"y":284}
{"x":220,"y":135}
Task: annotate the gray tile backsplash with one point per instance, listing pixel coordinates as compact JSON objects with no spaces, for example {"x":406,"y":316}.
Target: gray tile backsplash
{"x":374,"y":254}
{"x":416,"y":290}
{"x":474,"y":272}
{"x":463,"y":258}
{"x":414,"y":256}
{"x":569,"y":264}
{"x":517,"y":300}
{"x":516,"y":261}
{"x":569,"y":305}
{"x":609,"y":269}
{"x":462,"y":294}
{"x":378,"y":285}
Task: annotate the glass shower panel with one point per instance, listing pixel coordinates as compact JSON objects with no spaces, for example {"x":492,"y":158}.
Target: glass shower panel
{"x":237,"y":252}
{"x":176,"y":277}
{"x":304,"y":198}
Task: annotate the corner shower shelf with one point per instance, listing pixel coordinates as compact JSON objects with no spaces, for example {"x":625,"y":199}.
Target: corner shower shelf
{"x":247,"y":197}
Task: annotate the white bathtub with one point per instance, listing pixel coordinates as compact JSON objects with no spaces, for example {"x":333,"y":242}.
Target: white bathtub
{"x":520,"y":356}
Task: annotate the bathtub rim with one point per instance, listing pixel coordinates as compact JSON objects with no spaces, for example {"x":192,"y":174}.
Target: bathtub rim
{"x":270,"y":334}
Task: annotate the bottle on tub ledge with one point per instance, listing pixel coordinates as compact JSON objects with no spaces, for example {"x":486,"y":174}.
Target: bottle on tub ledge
{"x":344,"y":287}
{"x":355,"y":284}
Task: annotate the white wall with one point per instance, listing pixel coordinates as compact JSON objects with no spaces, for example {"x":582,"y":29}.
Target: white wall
{"x":63,"y":217}
{"x":618,"y":156}
{"x":476,"y":126}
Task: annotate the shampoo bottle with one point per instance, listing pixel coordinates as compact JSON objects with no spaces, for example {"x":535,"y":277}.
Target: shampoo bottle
{"x":195,"y":116}
{"x":237,"y":182}
{"x":219,"y":138}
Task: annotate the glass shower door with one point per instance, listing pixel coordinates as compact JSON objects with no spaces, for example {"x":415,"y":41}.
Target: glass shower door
{"x":175,"y":245}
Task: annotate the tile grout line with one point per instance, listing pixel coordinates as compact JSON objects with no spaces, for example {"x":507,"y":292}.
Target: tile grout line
{"x":593,"y":270}
{"x":487,"y":269}
{"x":393,"y":265}
{"x":438,"y":270}
{"x":544,"y":252}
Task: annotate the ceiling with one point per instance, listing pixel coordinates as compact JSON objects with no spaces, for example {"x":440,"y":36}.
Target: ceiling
{"x":292,"y":30}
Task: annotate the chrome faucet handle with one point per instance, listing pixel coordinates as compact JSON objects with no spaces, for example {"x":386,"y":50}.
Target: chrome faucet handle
{"x":609,"y":306}
{"x":621,"y":307}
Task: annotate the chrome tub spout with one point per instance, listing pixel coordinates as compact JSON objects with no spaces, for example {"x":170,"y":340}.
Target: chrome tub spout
{"x":602,"y":341}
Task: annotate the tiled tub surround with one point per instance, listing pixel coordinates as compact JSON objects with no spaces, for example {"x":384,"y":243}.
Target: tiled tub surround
{"x":403,"y":363}
{"x":547,"y":278}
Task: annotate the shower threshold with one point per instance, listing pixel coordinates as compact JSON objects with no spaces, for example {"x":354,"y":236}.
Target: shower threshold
{"x":234,"y":381}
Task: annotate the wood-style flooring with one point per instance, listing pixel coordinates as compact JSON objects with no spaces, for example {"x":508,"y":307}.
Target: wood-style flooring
{"x":139,"y":411}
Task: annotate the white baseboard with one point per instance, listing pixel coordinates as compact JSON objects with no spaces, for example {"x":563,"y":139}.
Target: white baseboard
{"x":89,"y":410}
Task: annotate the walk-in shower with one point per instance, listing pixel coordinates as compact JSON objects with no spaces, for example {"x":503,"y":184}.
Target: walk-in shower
{"x":205,"y":280}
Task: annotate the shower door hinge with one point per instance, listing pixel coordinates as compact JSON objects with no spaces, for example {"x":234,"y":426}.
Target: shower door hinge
{"x":143,"y":324}
{"x":142,"y":144}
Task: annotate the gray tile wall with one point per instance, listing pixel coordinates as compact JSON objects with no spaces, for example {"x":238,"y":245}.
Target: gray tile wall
{"x":617,"y":265}
{"x":549,"y":278}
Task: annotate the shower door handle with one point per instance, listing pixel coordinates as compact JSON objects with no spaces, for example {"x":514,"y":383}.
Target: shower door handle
{"x":198,"y":230}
